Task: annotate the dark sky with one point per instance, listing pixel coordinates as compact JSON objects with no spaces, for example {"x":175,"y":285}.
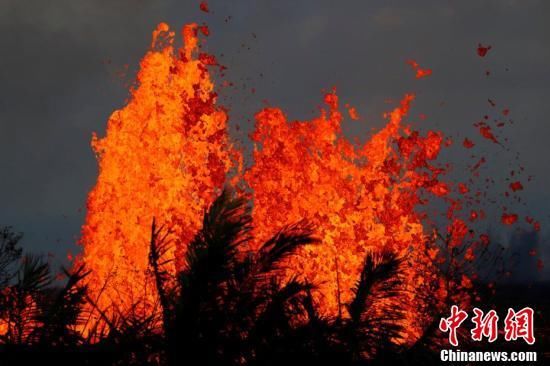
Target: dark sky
{"x":61,"y":62}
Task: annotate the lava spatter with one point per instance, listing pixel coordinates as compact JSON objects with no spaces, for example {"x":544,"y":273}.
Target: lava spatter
{"x":483,"y":50}
{"x":420,"y":72}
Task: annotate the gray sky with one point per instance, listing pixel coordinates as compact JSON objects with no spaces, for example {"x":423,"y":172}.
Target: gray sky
{"x":60,"y":64}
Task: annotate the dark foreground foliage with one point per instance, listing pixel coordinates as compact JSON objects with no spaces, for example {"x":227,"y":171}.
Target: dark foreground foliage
{"x":230,"y":306}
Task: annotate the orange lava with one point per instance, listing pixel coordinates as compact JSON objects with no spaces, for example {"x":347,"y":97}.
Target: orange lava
{"x":167,"y":153}
{"x":359,"y":197}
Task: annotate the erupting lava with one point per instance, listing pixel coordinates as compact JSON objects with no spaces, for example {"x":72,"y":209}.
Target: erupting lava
{"x":167,"y":153}
{"x":358,"y":197}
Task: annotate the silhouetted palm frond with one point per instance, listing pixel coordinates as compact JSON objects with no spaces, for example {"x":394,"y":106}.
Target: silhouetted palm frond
{"x":34,"y":275}
{"x":211,"y":255}
{"x":9,"y":254}
{"x":231,"y":299}
{"x":159,"y":249}
{"x":21,"y":311}
{"x":62,"y":311}
{"x":376,"y":319}
{"x":210,"y":261}
{"x":282,"y":303}
{"x":378,"y":280}
{"x":273,"y":252}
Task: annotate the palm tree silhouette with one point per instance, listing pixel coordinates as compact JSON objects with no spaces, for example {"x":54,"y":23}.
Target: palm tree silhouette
{"x":230,"y":305}
{"x":234,"y":306}
{"x":230,"y":301}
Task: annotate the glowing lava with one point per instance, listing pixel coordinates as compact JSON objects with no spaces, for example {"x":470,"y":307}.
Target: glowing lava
{"x":167,"y":153}
{"x":359,"y":197}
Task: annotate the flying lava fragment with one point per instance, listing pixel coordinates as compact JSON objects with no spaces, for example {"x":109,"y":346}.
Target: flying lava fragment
{"x":482,"y":50}
{"x":467,"y":143}
{"x":203,"y":6}
{"x":516,"y":186}
{"x":487,"y":133}
{"x":509,"y":219}
{"x":420,"y":72}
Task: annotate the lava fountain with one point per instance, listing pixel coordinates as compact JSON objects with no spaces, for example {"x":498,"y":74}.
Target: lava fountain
{"x":167,"y":153}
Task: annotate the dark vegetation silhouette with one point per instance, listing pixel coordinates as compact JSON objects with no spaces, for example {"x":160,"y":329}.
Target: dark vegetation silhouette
{"x":230,"y":305}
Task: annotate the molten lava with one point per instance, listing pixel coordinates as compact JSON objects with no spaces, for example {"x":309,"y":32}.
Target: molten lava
{"x":358,"y":197}
{"x":165,"y":156}
{"x":167,"y":153}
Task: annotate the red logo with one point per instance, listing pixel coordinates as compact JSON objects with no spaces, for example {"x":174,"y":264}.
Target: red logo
{"x":518,"y":324}
{"x":485,"y":326}
{"x":452,"y":323}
